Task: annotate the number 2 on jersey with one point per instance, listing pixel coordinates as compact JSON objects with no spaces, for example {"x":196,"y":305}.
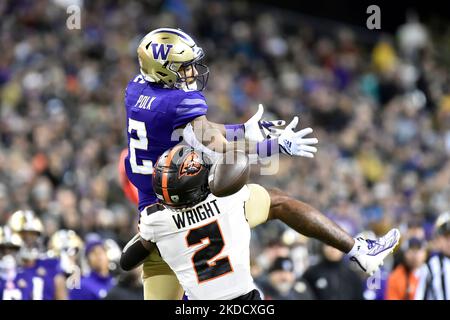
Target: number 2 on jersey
{"x":205,"y":267}
{"x":142,"y":144}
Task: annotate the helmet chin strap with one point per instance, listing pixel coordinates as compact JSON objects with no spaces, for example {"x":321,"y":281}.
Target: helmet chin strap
{"x":180,"y":85}
{"x":191,"y":87}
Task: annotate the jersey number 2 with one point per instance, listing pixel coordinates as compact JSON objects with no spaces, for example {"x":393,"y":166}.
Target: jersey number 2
{"x":205,"y":266}
{"x":142,"y":144}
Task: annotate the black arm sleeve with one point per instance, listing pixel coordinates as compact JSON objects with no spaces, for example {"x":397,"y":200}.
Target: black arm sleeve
{"x":134,"y":254}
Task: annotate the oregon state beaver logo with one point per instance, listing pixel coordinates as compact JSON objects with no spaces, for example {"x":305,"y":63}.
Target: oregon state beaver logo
{"x":191,"y":166}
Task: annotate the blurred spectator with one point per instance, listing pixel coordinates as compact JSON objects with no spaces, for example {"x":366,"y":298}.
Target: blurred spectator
{"x":402,"y":282}
{"x":281,"y":283}
{"x":271,"y":252}
{"x":413,"y":37}
{"x":129,"y":287}
{"x":332,"y":279}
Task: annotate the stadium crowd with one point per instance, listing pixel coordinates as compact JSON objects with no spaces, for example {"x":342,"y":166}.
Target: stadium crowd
{"x":379,"y":105}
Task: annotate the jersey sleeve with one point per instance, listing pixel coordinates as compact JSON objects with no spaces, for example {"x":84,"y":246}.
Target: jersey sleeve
{"x":191,"y":105}
{"x":145,"y":227}
{"x":148,"y":222}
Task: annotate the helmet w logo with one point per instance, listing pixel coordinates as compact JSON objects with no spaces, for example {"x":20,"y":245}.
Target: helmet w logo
{"x":161,"y":49}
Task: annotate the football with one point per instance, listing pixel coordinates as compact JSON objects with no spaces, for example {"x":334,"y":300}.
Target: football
{"x":229,"y":174}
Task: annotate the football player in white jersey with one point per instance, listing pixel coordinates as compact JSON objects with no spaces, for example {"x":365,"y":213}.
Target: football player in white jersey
{"x":203,"y":238}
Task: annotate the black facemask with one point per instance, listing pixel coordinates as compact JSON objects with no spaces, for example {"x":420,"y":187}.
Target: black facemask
{"x":201,"y":78}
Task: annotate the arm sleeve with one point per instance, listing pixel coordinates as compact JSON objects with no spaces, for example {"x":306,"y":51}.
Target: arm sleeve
{"x":191,"y":106}
{"x":133,"y":254}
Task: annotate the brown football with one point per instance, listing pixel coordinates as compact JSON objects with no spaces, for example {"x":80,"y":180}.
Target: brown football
{"x":229,"y":174}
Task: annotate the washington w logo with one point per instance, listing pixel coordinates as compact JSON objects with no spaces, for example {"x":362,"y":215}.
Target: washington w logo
{"x":161,"y":50}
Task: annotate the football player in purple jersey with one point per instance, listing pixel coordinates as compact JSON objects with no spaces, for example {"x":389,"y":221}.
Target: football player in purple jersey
{"x":67,"y":246}
{"x":14,"y":283}
{"x":49,"y":282}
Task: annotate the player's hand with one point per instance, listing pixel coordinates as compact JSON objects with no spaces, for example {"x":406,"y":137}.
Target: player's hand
{"x":294,"y":144}
{"x":257,"y":129}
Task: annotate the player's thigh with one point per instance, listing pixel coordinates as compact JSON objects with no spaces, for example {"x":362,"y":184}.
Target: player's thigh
{"x":160,"y":282}
{"x":257,"y":207}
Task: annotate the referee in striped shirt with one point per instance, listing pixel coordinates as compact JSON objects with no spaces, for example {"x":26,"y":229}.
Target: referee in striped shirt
{"x":434,"y":275}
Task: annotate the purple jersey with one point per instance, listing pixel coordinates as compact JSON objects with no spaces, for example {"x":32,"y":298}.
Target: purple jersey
{"x":21,"y":288}
{"x":92,"y":287}
{"x":153,"y":113}
{"x":43,"y":274}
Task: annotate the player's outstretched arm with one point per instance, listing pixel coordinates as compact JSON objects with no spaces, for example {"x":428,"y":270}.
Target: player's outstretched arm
{"x":266,"y":204}
{"x":367,"y":254}
{"x":254,"y":129}
{"x":308,"y":221}
{"x":201,"y":134}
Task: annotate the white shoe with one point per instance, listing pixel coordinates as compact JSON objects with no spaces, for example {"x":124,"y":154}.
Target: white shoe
{"x":371,"y":253}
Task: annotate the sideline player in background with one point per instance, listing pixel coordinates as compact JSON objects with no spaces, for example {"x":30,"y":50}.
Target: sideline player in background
{"x":14,"y":283}
{"x":67,"y":246}
{"x":49,"y":282}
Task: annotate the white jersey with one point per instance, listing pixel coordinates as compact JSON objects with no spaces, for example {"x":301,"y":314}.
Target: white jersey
{"x":207,"y":246}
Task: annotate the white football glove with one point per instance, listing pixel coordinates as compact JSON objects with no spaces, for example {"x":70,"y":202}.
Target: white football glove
{"x":292,"y":143}
{"x":257,"y":129}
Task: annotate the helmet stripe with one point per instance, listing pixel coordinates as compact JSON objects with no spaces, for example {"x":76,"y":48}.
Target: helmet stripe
{"x":177,"y":32}
{"x":165,"y":175}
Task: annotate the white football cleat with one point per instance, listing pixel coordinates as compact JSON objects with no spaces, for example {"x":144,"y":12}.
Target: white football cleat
{"x":371,"y":253}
